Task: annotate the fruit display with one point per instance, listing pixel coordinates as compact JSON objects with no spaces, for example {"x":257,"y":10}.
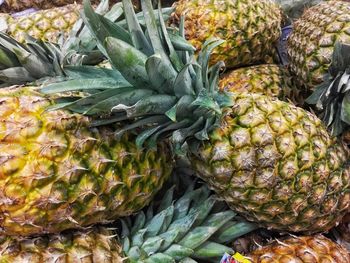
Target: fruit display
{"x":250,"y":28}
{"x":271,"y":161}
{"x":191,"y":227}
{"x":139,"y":133}
{"x":312,"y":42}
{"x":301,"y":249}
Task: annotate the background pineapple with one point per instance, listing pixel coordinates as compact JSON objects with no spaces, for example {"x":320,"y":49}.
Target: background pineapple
{"x":315,"y":249}
{"x":266,"y":79}
{"x":312,"y":42}
{"x":44,"y":24}
{"x":10,"y":6}
{"x":250,"y":28}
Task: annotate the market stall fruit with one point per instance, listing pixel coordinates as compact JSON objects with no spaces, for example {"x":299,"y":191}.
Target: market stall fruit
{"x":271,"y":161}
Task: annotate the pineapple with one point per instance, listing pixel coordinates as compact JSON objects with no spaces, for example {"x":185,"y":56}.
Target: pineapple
{"x":312,"y":42}
{"x":58,"y":173}
{"x":9,"y":6}
{"x":250,"y":28}
{"x":184,"y":230}
{"x":311,"y":249}
{"x":266,"y":79}
{"x":49,"y":24}
{"x":271,"y":161}
{"x":44,"y":24}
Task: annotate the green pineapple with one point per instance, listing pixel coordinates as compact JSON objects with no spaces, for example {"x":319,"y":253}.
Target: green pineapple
{"x":269,"y":160}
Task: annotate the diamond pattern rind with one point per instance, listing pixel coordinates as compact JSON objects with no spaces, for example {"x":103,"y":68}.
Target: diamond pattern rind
{"x":311,"y":44}
{"x":56,"y":173}
{"x":292,"y":179}
{"x":249,"y":28}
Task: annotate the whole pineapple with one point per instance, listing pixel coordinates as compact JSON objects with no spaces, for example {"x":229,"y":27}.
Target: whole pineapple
{"x":58,"y":173}
{"x":194,"y":227}
{"x":269,"y":160}
{"x":310,"y":249}
{"x":312,"y":42}
{"x":250,"y":28}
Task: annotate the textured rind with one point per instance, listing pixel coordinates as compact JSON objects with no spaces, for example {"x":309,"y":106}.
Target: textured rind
{"x":311,"y":45}
{"x":275,"y":164}
{"x":44,"y":24}
{"x":267,"y":79}
{"x":250,"y":28}
{"x":55,"y":173}
{"x":89,"y":246}
{"x":312,"y":249}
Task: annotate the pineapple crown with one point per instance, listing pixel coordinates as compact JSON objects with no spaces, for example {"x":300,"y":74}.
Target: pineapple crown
{"x":161,"y":86}
{"x":332,"y":97}
{"x":196,"y":226}
{"x":38,"y":60}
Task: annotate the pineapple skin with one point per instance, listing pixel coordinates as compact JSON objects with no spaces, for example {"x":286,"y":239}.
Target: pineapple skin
{"x":56,"y":173}
{"x":275,"y":164}
{"x":267,"y":79}
{"x":93,"y":245}
{"x":250,"y":28}
{"x":46,"y":25}
{"x":311,"y":249}
{"x":311,"y":44}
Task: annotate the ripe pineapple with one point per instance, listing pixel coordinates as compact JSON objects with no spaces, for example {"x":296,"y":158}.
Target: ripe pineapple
{"x":267,"y":79}
{"x":250,"y":28}
{"x":311,"y":249}
{"x":44,"y":24}
{"x":58,"y":173}
{"x":312,"y":42}
{"x":191,"y":228}
{"x":269,"y":160}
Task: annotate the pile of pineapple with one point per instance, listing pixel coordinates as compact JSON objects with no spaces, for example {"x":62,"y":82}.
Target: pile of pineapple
{"x":174,"y":131}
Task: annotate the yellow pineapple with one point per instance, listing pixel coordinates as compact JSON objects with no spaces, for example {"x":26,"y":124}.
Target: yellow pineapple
{"x":173,"y":231}
{"x":57,"y":172}
{"x":272,"y":162}
{"x":312,"y":42}
{"x":266,"y":79}
{"x":308,"y":249}
{"x":250,"y":28}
